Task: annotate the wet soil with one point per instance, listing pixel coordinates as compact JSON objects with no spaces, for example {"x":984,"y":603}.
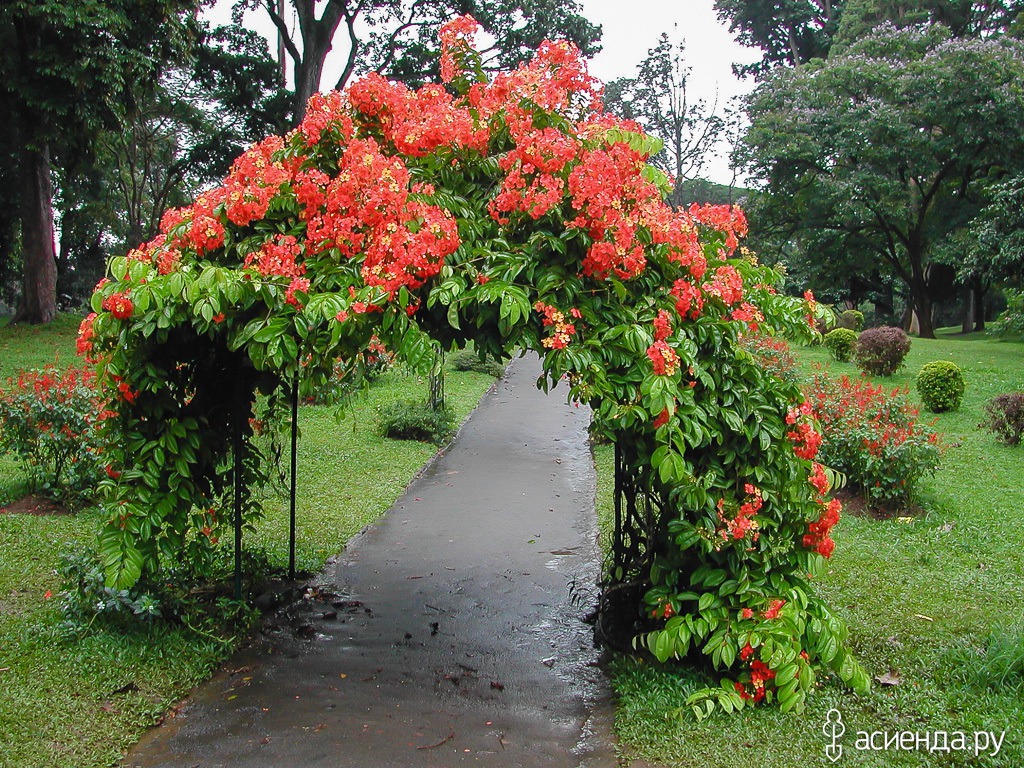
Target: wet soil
{"x":449,"y":634}
{"x":34,"y":505}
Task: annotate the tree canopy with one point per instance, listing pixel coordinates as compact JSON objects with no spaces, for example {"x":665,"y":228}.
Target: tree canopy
{"x":889,"y":149}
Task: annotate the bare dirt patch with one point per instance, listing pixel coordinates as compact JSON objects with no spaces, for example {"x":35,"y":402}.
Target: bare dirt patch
{"x":855,"y":504}
{"x":34,"y":505}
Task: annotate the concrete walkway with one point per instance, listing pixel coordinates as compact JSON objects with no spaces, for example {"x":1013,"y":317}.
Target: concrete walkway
{"x":448,"y":634}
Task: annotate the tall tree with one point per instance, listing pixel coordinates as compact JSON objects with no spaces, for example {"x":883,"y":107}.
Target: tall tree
{"x":658,"y":98}
{"x":398,"y":37}
{"x":793,"y":32}
{"x":790,"y":32}
{"x":64,"y":67}
{"x":892,"y":148}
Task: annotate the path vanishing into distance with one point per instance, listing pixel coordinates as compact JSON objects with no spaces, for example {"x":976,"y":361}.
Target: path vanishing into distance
{"x":450,"y":633}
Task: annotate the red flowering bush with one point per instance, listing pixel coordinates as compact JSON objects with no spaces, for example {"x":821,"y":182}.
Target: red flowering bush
{"x":880,"y":351}
{"x":50,"y":419}
{"x":773,"y":354}
{"x":873,"y":436}
{"x":511,"y":214}
{"x":1005,"y":417}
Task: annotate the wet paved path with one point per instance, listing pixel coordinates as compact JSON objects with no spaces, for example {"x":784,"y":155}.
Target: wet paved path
{"x":457,"y":641}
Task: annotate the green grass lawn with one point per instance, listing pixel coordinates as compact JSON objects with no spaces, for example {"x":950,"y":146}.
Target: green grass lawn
{"x":937,"y":599}
{"x":80,"y":703}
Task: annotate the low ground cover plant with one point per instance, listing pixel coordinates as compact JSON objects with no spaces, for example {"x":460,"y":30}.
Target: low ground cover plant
{"x":468,"y":360}
{"x":416,"y":420}
{"x":941,"y":386}
{"x":881,"y":351}
{"x":874,"y":436}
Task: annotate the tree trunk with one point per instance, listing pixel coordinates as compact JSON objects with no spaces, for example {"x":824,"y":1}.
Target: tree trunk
{"x":920,"y":296}
{"x":307,"y":81}
{"x":967,"y":316}
{"x":979,"y":308}
{"x":38,"y":302}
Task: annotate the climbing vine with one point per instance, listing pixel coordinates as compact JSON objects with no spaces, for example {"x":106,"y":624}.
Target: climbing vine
{"x":513,"y":213}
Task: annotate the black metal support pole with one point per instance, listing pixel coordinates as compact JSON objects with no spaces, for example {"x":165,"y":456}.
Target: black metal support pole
{"x":617,"y":543}
{"x":237,"y":451}
{"x":295,"y":444}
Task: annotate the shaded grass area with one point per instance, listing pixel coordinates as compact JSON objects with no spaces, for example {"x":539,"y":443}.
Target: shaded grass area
{"x":936,"y":599}
{"x":78,"y":703}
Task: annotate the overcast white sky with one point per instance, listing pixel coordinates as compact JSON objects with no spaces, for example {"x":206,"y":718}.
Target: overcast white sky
{"x":630,"y":29}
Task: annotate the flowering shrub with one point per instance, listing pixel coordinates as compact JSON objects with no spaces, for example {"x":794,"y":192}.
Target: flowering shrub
{"x":941,"y":385}
{"x":50,"y":419}
{"x":513,"y":214}
{"x":880,"y":351}
{"x":840,"y":342}
{"x":1006,"y":417}
{"x":772,"y":354}
{"x":873,"y":436}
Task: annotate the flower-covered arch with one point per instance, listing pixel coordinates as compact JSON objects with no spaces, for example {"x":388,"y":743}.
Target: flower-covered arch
{"x":513,"y":213}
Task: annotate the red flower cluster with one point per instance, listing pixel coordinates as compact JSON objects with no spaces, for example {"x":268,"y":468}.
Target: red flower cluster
{"x":277,"y":257}
{"x":297,"y":284}
{"x":773,"y":609}
{"x":726,"y":284}
{"x":760,"y":674}
{"x":805,"y":438}
{"x":662,"y":325}
{"x":367,"y":209}
{"x":689,"y":299}
{"x":725,"y":218}
{"x":119,"y":305}
{"x":664,"y":359}
{"x":84,"y":345}
{"x":818,"y":539}
{"x":743,"y":522}
{"x":534,"y":181}
{"x":416,"y":123}
{"x":456,"y":42}
{"x":611,"y":196}
{"x":562,"y":331}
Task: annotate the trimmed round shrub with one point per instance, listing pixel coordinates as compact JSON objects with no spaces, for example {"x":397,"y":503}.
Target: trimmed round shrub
{"x":941,"y":385}
{"x":1006,"y":417}
{"x":840,"y":343}
{"x":881,"y":351}
{"x":851,"y":319}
